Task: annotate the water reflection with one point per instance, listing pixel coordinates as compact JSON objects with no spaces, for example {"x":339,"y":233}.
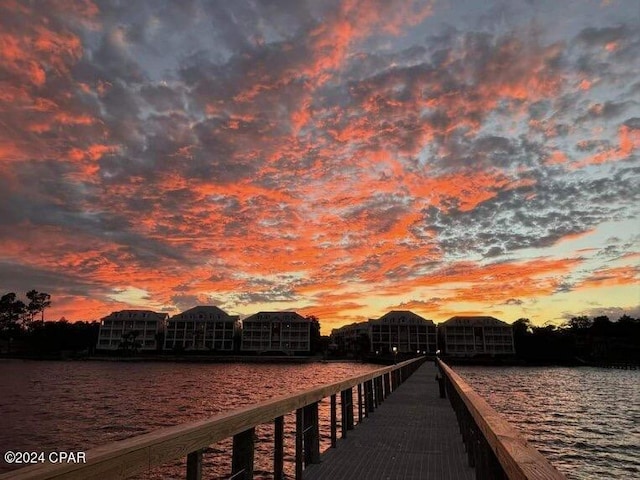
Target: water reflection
{"x":585,"y":420}
{"x":79,"y":405}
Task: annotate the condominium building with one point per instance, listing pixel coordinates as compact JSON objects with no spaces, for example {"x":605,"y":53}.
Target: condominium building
{"x":286,"y":332}
{"x":469,"y":336}
{"x":204,"y":328}
{"x":131,"y":330}
{"x":402,"y":331}
{"x":352,"y":337}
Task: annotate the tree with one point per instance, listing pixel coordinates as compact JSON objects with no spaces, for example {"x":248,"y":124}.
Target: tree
{"x":521,"y":327}
{"x":315,"y":339}
{"x":579,"y":323}
{"x":627,"y":320}
{"x":38,"y":301}
{"x":12,"y":312}
{"x":130,"y":342}
{"x":602,"y":325}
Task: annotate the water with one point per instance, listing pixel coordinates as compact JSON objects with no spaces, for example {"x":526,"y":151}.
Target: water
{"x":586,"y":421}
{"x":56,"y":406}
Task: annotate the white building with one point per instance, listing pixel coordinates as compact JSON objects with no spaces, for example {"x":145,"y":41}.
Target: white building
{"x":131,"y":330}
{"x":469,"y":336}
{"x":286,"y":332}
{"x":204,"y":327}
{"x":404,"y":330}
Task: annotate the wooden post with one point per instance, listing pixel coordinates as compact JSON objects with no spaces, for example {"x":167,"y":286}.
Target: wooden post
{"x":365,"y":399}
{"x":299,"y":447}
{"x":242,"y":459}
{"x":482,"y":459}
{"x":194,"y":465}
{"x":334,"y":421}
{"x":349,"y":395}
{"x":278,"y":448}
{"x":471,"y":444}
{"x":494,"y":469}
{"x":311,"y":437}
{"x":369,"y":396}
{"x":360,"y":403}
{"x":374,"y":392}
{"x":440,"y":381}
{"x":387,"y":384}
{"x":343,"y":412}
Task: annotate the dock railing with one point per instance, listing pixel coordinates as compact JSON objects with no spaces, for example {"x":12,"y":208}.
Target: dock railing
{"x":125,"y":458}
{"x":494,"y":447}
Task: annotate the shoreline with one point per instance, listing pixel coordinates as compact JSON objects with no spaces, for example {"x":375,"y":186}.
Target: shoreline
{"x":173,"y":359}
{"x":285,"y":359}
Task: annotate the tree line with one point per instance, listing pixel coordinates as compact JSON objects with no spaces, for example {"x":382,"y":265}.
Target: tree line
{"x":581,"y":339}
{"x":16,"y":315}
{"x":24,"y":331}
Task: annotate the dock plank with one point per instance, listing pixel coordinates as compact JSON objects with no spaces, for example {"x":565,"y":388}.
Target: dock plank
{"x":412,"y":435}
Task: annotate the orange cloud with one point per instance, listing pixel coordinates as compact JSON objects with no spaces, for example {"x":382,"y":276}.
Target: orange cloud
{"x":609,"y":277}
{"x":629,"y":142}
{"x":556,"y":157}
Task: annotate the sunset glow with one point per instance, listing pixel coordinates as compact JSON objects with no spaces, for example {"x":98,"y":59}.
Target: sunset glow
{"x":340,"y":158}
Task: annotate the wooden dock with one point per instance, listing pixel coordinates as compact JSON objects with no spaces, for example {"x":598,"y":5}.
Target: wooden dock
{"x":413,"y":434}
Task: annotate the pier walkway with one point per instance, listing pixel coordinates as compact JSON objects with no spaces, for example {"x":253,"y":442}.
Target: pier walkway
{"x":413,"y":434}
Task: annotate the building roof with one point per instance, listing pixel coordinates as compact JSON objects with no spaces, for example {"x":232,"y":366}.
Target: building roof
{"x":137,"y":314}
{"x":204,"y":309}
{"x":351,"y":327}
{"x":282,"y":316}
{"x":474,"y":321}
{"x":407,"y":314}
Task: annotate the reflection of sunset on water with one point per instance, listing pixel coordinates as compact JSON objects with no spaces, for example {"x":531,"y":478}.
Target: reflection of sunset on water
{"x":581,"y":419}
{"x":340,"y":158}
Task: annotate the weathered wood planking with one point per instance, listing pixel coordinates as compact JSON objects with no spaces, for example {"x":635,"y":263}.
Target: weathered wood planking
{"x":519,"y":460}
{"x":125,"y":458}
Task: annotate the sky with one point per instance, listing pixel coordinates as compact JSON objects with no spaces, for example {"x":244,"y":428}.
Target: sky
{"x":340,"y":158}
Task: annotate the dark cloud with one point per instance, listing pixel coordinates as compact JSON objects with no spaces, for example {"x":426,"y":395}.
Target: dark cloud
{"x":600,"y":37}
{"x":606,"y":111}
{"x":509,"y":222}
{"x":514,"y":301}
{"x":20,"y":278}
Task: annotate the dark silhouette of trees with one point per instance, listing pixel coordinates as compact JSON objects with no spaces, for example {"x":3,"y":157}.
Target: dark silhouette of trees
{"x":315,"y":337}
{"x":52,"y":338}
{"x":602,"y":326}
{"x":12,"y":313}
{"x":15,"y":315}
{"x":582,"y":323}
{"x":21,"y":334}
{"x":38,"y":302}
{"x":579,"y":340}
{"x":130,"y":342}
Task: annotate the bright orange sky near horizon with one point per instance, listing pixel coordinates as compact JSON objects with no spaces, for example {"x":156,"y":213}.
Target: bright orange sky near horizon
{"x":338,"y":158}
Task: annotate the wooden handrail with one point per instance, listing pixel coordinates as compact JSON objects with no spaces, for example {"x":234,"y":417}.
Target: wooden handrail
{"x":519,"y":460}
{"x":124,"y":458}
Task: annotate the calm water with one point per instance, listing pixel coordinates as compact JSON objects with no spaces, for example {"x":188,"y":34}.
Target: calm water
{"x":49,"y":406}
{"x":586,"y":421}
